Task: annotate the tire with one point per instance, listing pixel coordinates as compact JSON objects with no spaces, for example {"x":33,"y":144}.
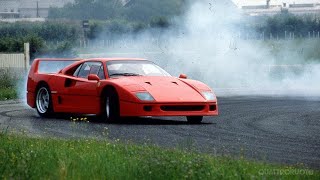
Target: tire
{"x":44,"y":101}
{"x":110,"y":106}
{"x":194,"y":119}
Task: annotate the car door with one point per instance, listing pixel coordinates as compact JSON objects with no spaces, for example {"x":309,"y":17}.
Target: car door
{"x":80,"y":95}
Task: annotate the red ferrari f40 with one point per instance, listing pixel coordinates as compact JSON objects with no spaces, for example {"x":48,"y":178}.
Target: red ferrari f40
{"x":114,"y":88}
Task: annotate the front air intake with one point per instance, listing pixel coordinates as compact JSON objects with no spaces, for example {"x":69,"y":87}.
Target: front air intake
{"x":182,"y":108}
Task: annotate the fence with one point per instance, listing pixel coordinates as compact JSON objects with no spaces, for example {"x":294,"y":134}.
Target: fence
{"x":16,"y":60}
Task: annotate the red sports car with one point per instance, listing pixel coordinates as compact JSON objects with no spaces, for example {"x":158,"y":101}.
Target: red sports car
{"x":116,"y":87}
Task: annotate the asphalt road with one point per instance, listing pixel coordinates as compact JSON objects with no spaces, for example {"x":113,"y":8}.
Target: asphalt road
{"x":274,"y":129}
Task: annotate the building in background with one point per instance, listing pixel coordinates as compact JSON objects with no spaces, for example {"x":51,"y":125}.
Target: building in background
{"x":9,"y":9}
{"x":272,"y":7}
{"x":14,"y":9}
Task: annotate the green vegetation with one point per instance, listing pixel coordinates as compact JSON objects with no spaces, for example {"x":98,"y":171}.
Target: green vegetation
{"x":282,"y":24}
{"x":111,"y":18}
{"x":7,"y":85}
{"x":108,"y":20}
{"x":43,"y":37}
{"x":136,"y":10}
{"x":297,"y":51}
{"x":8,"y":93}
{"x":32,"y":158}
{"x":148,"y":13}
{"x":48,"y":31}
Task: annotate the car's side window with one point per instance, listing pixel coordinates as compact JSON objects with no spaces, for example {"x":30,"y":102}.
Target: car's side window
{"x":90,"y":68}
{"x":77,"y":71}
{"x":84,"y":71}
{"x":94,"y":69}
{"x":101,"y":73}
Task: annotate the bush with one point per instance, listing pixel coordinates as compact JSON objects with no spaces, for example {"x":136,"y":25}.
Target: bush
{"x":42,"y":36}
{"x":8,"y":93}
{"x":7,"y":84}
{"x":135,"y":11}
{"x":159,"y":22}
{"x":60,"y":50}
{"x":7,"y":78}
{"x":12,"y":44}
{"x":278,"y":24}
{"x":48,"y":31}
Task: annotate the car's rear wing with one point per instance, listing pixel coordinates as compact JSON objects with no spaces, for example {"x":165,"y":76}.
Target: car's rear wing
{"x":51,"y":65}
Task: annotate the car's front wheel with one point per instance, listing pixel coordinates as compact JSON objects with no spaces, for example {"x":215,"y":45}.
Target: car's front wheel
{"x":110,"y":106}
{"x":43,"y":101}
{"x":194,"y":119}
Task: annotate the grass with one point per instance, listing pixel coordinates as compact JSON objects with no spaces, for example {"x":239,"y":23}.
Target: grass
{"x":8,"y":93}
{"x":297,"y":51}
{"x":32,"y":158}
{"x":7,"y":84}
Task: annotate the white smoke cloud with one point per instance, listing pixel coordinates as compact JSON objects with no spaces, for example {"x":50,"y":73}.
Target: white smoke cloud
{"x":208,"y":50}
{"x":205,"y":46}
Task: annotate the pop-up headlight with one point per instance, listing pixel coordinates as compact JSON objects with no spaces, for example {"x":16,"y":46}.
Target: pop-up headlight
{"x":209,"y":95}
{"x":144,"y":96}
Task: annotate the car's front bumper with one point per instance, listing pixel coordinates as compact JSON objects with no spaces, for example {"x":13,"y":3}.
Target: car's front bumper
{"x":168,"y":109}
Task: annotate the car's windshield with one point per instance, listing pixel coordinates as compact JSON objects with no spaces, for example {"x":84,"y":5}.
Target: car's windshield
{"x":134,"y":68}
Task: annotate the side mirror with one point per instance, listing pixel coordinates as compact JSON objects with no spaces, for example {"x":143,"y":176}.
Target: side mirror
{"x":183,"y":76}
{"x":93,"y":77}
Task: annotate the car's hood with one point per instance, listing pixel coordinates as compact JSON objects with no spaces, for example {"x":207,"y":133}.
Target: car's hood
{"x":165,"y":89}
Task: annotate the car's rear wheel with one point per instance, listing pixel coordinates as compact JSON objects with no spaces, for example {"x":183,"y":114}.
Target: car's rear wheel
{"x":194,"y":119}
{"x":110,"y":106}
{"x":44,"y":101}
